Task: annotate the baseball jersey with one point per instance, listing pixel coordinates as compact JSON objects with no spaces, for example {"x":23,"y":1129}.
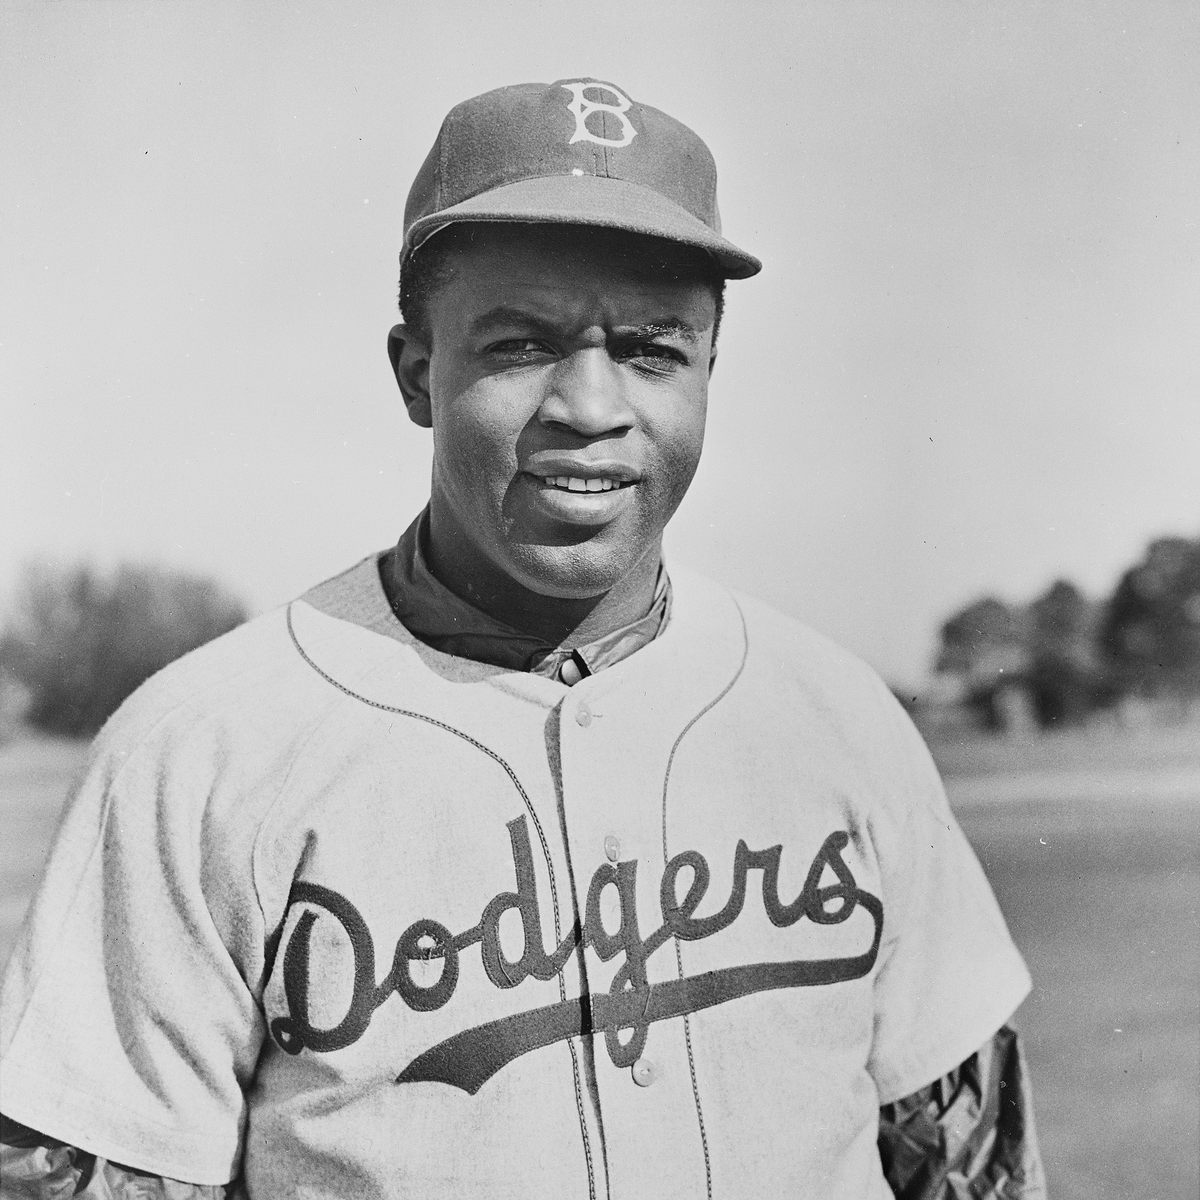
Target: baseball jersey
{"x":353,"y":917}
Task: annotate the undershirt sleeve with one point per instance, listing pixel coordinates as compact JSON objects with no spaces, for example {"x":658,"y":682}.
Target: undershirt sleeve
{"x":128,"y":1025}
{"x":970,"y":1133}
{"x":36,"y":1167}
{"x":950,"y":974}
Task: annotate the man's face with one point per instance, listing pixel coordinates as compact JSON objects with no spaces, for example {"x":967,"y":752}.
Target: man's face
{"x":567,"y":388}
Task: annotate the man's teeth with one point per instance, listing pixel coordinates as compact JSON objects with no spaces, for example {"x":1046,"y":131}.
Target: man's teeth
{"x":574,"y":484}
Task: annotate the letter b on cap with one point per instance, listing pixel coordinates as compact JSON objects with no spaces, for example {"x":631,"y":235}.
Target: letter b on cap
{"x":582,"y":108}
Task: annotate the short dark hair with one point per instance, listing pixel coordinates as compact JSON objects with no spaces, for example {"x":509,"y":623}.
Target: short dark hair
{"x":428,"y":268}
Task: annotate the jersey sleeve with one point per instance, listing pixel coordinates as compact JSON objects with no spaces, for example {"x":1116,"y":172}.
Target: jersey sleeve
{"x":129,"y":1024}
{"x":950,"y":975}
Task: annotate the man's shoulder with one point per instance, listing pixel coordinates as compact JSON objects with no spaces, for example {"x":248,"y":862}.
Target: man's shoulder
{"x":792,"y":677}
{"x":780,"y":644}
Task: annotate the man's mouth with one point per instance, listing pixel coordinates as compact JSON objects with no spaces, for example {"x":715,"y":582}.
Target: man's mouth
{"x":582,"y":494}
{"x":574,"y":483}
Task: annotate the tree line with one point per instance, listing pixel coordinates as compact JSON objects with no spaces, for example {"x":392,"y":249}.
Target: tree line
{"x":1069,"y":655}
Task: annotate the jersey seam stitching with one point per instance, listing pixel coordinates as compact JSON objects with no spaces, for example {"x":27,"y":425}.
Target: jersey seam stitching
{"x":687,"y":1031}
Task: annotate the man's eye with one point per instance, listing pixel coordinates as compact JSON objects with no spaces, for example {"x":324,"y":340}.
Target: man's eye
{"x":655,"y":355}
{"x":517,"y":349}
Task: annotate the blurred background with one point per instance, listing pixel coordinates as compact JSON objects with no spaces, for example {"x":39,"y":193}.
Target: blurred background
{"x":955,"y":423}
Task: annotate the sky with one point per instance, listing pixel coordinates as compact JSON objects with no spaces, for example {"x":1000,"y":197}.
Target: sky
{"x":970,"y":365}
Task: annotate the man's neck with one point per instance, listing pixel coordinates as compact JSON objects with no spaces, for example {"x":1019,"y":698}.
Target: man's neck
{"x":554,"y":619}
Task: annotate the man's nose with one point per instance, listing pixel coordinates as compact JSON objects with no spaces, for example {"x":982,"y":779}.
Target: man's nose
{"x":586,"y":393}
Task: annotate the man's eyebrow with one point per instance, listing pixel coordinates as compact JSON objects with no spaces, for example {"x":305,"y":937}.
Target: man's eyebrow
{"x":672,"y":327}
{"x":504,"y":314}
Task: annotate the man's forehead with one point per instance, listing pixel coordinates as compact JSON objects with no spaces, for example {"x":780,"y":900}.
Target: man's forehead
{"x":565,"y":287}
{"x":563,"y":277}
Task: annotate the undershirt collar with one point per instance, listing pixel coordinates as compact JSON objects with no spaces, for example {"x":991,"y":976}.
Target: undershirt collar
{"x":444,"y":620}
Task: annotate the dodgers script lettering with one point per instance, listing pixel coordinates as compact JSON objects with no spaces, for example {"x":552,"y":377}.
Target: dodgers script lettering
{"x":630,"y":1006}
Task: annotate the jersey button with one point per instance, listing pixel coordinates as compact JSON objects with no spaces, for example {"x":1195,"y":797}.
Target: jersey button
{"x":612,"y":848}
{"x":644,"y":1072}
{"x":583,"y":716}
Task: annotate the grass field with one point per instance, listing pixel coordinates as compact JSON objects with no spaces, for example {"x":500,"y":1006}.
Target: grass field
{"x":1092,"y":843}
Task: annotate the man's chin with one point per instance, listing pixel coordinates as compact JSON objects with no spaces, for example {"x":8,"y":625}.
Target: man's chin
{"x":581,"y":571}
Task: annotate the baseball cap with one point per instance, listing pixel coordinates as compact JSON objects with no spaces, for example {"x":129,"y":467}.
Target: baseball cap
{"x":574,"y":152}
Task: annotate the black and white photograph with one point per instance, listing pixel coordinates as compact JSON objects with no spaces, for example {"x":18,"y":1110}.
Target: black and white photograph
{"x":599,"y":601}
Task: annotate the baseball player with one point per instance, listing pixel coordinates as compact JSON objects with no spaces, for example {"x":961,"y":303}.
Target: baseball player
{"x":510,"y":863}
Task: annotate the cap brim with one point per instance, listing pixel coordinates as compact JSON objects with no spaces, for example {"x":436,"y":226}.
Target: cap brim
{"x":589,"y":200}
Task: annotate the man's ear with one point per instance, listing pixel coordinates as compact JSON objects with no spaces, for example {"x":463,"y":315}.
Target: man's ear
{"x":409,"y":356}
